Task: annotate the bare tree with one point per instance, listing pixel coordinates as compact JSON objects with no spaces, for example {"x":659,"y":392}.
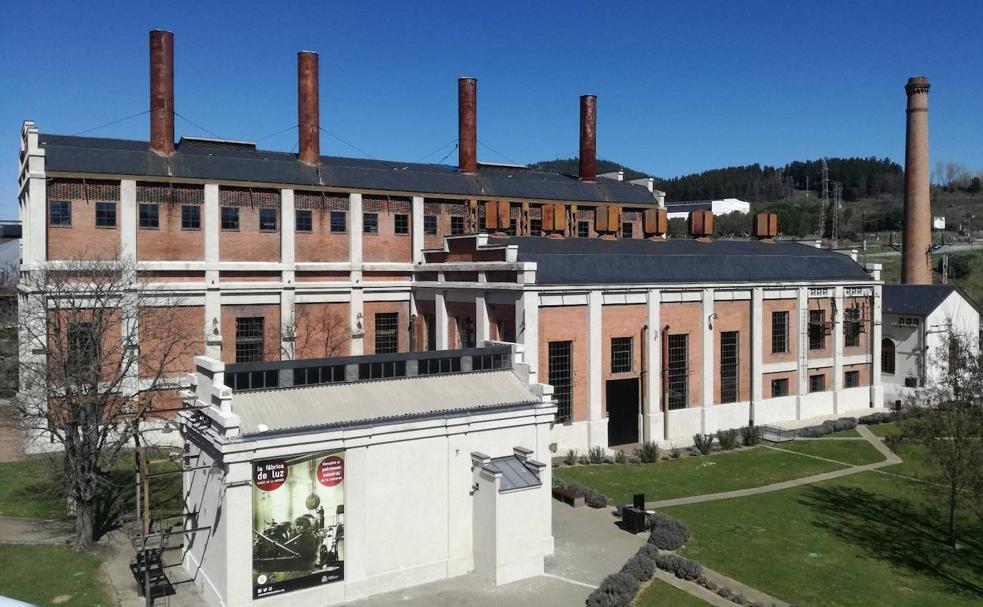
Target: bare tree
{"x":947,"y":418}
{"x":324,"y":333}
{"x":100,"y":354}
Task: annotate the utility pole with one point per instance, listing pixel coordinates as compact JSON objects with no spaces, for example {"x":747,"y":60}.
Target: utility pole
{"x":837,"y":202}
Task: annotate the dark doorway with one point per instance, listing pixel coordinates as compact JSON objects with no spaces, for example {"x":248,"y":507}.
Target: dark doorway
{"x":622,"y":402}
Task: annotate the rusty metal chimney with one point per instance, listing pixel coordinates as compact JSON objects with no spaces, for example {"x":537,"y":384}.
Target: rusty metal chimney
{"x":162,"y":92}
{"x":467,"y":125}
{"x":308,"y":112}
{"x":916,"y":260}
{"x":588,"y":138}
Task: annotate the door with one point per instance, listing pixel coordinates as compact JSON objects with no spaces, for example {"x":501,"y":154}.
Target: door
{"x":622,"y":403}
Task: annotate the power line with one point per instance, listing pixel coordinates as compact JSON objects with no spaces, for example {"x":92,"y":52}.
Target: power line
{"x":349,"y":144}
{"x":441,"y":161}
{"x":497,"y":152}
{"x":424,"y":157}
{"x":102,"y":126}
{"x":275,"y":134}
{"x":195,"y":124}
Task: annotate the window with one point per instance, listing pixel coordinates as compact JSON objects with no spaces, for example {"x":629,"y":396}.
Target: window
{"x":817,"y":383}
{"x":465,"y":332}
{"x":190,"y":217}
{"x":512,"y":227}
{"x":304,"y":220}
{"x":387,"y":333}
{"x":729,"y":375}
{"x":560,"y":377}
{"x":430,"y":224}
{"x":621,"y":354}
{"x":395,"y":368}
{"x":486,"y":362}
{"x":431,"y":331}
{"x":851,"y":327}
{"x":457,"y":226}
{"x":401,"y":224}
{"x":249,"y":339}
{"x":319,"y":375}
{"x":851,"y":379}
{"x":506,"y":329}
{"x":60,"y":213}
{"x":817,"y":329}
{"x":583,"y":229}
{"x":370,"y":223}
{"x":888,"y":364}
{"x":338,"y":221}
{"x":535,"y":227}
{"x":230,"y":218}
{"x":779,"y":387}
{"x":253,"y":380}
{"x":779,"y":332}
{"x":434,"y":366}
{"x":678,"y":367}
{"x":149,"y":216}
{"x":82,"y":352}
{"x":267,"y":220}
{"x":106,"y":214}
{"x":627,"y":230}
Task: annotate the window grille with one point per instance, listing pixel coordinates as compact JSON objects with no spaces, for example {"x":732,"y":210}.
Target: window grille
{"x":678,"y":363}
{"x":249,"y":339}
{"x":851,"y":379}
{"x":370,"y":223}
{"x":457,"y":226}
{"x":190,"y":217}
{"x":561,"y":378}
{"x":82,"y":352}
{"x":387,"y":333}
{"x":627,"y":230}
{"x":621,"y":354}
{"x":60,"y":213}
{"x":338,"y":221}
{"x":535,"y":227}
{"x":851,"y":327}
{"x":512,"y":227}
{"x":729,"y":366}
{"x":430,"y":224}
{"x":583,"y":229}
{"x":230,"y":218}
{"x":817,"y":329}
{"x":817,"y":383}
{"x":779,"y":387}
{"x":888,"y":360}
{"x":106,"y":214}
{"x":401,"y":224}
{"x":303,"y":220}
{"x":779,"y":332}
{"x":267,"y":220}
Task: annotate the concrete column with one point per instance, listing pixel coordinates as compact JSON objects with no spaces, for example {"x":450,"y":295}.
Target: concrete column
{"x":355,"y":234}
{"x":288,"y":232}
{"x":128,"y":220}
{"x":652,"y":417}
{"x":130,"y":337}
{"x":213,"y":320}
{"x":709,"y":371}
{"x":237,"y":515}
{"x":440,"y":319}
{"x":802,"y":346}
{"x":482,"y":326}
{"x":33,"y":198}
{"x":597,"y":430}
{"x":876,"y":389}
{"x":527,"y":332}
{"x":757,"y":347}
{"x":416,"y":229}
{"x":837,"y":348}
{"x":212,"y":227}
{"x":288,"y":328}
{"x":356,"y":309}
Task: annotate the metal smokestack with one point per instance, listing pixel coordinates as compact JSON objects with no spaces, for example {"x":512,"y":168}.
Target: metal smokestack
{"x":308,"y":120}
{"x":916,"y":261}
{"x":467,"y":125}
{"x":588,"y":138}
{"x":162,"y":92}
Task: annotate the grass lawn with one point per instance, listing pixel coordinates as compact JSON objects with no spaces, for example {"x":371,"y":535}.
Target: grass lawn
{"x":867,"y":539}
{"x":856,"y":452}
{"x":851,"y":433}
{"x":662,"y":594}
{"x":917,"y":463}
{"x":51,"y":575}
{"x":670,"y":479}
{"x":885,"y":430}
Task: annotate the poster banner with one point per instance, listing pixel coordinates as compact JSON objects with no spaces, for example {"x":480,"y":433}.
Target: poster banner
{"x":298,"y":522}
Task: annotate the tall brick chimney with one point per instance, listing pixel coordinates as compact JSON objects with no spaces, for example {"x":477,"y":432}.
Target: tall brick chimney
{"x":467,"y":125}
{"x":162,"y":92}
{"x":308,"y":120}
{"x":916,"y":261}
{"x":588,"y":138}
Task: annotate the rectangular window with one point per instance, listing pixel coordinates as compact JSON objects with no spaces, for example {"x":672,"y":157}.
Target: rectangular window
{"x":851,"y":379}
{"x":621,"y":354}
{"x":729,"y":366}
{"x":627,"y":230}
{"x":434,"y":366}
{"x":779,"y":387}
{"x":82,"y":352}
{"x":230,"y":218}
{"x":457,"y":226}
{"x":583,"y":229}
{"x":487,"y":362}
{"x":149,"y":216}
{"x":370,"y":223}
{"x":267,"y":220}
{"x":249,"y":339}
{"x":678,"y":367}
{"x":401,"y":224}
{"x":395,"y":368}
{"x":817,"y":383}
{"x":387,"y":333}
{"x":339,"y":222}
{"x":431,"y":332}
{"x":851,"y":327}
{"x":779,"y":332}
{"x":60,"y":213}
{"x":190,"y":217}
{"x":465,"y":332}
{"x":535,"y":227}
{"x":304,"y":220}
{"x":319,"y":375}
{"x":430,"y":224}
{"x":253,"y":380}
{"x":561,"y":378}
{"x":106,"y":214}
{"x":817,"y":329}
{"x":512,"y":231}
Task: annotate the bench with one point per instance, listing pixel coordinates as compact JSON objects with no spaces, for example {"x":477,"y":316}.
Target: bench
{"x":568,"y":496}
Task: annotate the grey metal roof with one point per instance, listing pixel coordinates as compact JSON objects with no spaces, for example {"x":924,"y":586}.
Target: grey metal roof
{"x":689,"y":207}
{"x":914,"y":300}
{"x":206,"y":160}
{"x":516,"y":474}
{"x":350,"y":404}
{"x":637,"y":261}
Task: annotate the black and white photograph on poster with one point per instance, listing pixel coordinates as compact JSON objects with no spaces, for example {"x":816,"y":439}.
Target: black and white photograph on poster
{"x":298,"y":522}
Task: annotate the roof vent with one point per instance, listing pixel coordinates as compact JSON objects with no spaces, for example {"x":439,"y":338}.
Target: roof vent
{"x":221,"y":144}
{"x":701,"y":225}
{"x":766,"y":226}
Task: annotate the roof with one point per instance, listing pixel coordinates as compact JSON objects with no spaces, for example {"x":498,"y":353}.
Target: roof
{"x":914,"y":300}
{"x":628,"y":261}
{"x":349,"y":404}
{"x":688,"y":207}
{"x":203,"y":159}
{"x":516,"y":474}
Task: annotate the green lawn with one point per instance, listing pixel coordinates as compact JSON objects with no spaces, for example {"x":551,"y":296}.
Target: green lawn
{"x":662,"y":594}
{"x":864,"y":540}
{"x":851,"y":433}
{"x":885,"y":430}
{"x":916,"y":461}
{"x":856,"y":452}
{"x":670,"y":479}
{"x":51,"y":575}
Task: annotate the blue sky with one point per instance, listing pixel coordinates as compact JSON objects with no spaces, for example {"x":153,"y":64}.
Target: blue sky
{"x":682,"y":87}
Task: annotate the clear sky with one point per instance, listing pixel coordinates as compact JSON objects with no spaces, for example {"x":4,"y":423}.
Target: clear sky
{"x":682,"y":86}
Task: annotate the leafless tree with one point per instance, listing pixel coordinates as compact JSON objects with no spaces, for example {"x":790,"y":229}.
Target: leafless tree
{"x":100,"y":354}
{"x":323,"y":333}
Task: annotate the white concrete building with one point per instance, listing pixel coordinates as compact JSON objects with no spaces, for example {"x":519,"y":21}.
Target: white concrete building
{"x":682,"y":209}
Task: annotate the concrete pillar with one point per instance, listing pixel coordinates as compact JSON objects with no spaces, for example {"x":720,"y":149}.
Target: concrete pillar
{"x":355,"y":234}
{"x":213,"y":320}
{"x":652,"y":416}
{"x":482,"y":326}
{"x":416,"y":228}
{"x":359,"y":321}
{"x":837,"y":348}
{"x":440,"y":319}
{"x":288,"y":232}
{"x":757,"y":347}
{"x":33,"y":207}
{"x":916,"y":261}
{"x":802,"y":346}
{"x":876,"y":389}
{"x":288,"y":320}
{"x":128,"y":220}
{"x":597,"y":427}
{"x":708,"y":370}
{"x":527,"y":332}
{"x":212,"y":227}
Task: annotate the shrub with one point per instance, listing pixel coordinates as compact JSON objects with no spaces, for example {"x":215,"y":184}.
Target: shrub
{"x":617,"y":590}
{"x":708,"y":584}
{"x":620,"y":457}
{"x":844,"y":423}
{"x":680,"y":567}
{"x":674,"y":451}
{"x":634,"y":459}
{"x":703,"y":443}
{"x":578,"y":489}
{"x":648,"y":452}
{"x":571,"y":457}
{"x":751,"y":435}
{"x":584,"y":460}
{"x":724,"y":592}
{"x":640,"y":567}
{"x":596,"y":499}
{"x":649,"y":550}
{"x":667,"y":533}
{"x":727,"y":439}
{"x":876,"y":418}
{"x":558,"y":482}
{"x":596,"y":455}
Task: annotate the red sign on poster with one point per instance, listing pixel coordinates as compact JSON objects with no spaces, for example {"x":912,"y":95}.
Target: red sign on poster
{"x":331,"y":471}
{"x":270,"y":474}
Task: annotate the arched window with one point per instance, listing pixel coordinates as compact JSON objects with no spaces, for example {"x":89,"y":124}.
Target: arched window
{"x":887,"y":356}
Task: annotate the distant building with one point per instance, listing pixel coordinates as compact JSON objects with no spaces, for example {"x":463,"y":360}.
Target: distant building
{"x":683,"y":208}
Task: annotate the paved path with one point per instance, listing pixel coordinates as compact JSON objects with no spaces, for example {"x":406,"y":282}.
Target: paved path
{"x":14,"y":530}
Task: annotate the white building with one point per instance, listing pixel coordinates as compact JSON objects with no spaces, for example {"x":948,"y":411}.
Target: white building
{"x":682,"y":209}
